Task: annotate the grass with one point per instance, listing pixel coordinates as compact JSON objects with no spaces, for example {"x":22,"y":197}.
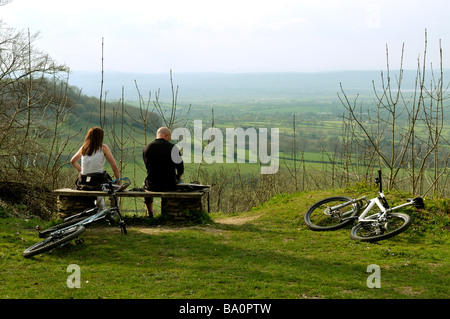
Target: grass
{"x":265,"y":253}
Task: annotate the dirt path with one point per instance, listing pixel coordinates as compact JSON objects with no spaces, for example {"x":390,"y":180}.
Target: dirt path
{"x":235,"y":220}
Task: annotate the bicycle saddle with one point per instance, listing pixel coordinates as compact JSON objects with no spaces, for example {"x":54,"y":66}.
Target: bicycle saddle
{"x":417,"y":202}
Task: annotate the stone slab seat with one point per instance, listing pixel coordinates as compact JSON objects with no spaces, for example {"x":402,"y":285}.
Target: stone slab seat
{"x":174,"y":205}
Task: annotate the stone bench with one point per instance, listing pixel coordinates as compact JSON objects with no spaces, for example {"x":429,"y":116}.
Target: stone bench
{"x":174,"y":205}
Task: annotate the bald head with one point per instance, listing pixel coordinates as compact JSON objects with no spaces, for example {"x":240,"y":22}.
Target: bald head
{"x":164,"y":132}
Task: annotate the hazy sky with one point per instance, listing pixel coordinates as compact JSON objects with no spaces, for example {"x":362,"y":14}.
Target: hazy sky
{"x":233,"y":35}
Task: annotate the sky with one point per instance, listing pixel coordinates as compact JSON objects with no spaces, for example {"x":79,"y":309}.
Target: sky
{"x":150,"y":36}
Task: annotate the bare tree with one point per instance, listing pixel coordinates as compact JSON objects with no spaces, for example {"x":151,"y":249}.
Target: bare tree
{"x":171,"y":116}
{"x":407,"y":129}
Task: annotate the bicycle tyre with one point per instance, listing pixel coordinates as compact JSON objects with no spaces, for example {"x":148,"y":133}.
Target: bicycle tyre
{"x":359,"y":230}
{"x":68,"y":221}
{"x":54,"y":241}
{"x":329,"y":223}
{"x":44,"y":233}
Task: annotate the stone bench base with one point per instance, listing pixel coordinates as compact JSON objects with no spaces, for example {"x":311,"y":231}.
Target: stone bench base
{"x":71,"y":205}
{"x":176,"y":209}
{"x":175,"y":206}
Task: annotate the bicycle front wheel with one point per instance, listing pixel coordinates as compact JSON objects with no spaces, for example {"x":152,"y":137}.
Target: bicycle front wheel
{"x":54,"y":241}
{"x":321,"y":216}
{"x":372,"y":231}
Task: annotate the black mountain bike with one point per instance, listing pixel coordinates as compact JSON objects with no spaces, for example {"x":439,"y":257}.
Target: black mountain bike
{"x":73,"y":226}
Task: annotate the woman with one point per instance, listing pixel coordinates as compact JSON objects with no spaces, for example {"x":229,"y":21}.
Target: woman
{"x":93,"y":154}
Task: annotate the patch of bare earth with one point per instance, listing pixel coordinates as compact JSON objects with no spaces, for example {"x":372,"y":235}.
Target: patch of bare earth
{"x":236,"y":220}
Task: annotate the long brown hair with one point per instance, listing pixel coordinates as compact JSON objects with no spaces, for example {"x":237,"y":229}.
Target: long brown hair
{"x":93,"y":141}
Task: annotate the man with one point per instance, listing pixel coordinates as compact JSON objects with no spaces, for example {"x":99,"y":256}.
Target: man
{"x":164,"y":165}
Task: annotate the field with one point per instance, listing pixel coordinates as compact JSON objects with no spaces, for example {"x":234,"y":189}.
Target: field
{"x":254,"y":244}
{"x":254,"y":247}
{"x":312,"y":152}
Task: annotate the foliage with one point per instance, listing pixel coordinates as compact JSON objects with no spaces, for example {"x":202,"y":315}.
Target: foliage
{"x":404,"y":132}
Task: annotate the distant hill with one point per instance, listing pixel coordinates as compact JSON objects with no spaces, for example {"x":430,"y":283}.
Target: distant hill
{"x":201,"y":87}
{"x":86,"y":111}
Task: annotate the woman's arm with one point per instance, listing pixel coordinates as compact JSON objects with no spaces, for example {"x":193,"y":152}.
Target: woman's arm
{"x":111,"y":160}
{"x":75,"y":159}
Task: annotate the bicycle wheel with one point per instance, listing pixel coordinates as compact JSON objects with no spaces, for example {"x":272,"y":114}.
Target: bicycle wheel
{"x":394,"y":224}
{"x":121,"y":223}
{"x":71,"y":220}
{"x":54,"y":241}
{"x":113,"y":216}
{"x":44,"y":233}
{"x":320,"y":216}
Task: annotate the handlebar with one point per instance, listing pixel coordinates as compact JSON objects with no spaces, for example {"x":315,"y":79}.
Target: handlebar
{"x":125,"y":182}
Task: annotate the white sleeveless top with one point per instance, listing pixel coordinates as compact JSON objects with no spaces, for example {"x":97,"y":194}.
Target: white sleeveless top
{"x":93,"y":163}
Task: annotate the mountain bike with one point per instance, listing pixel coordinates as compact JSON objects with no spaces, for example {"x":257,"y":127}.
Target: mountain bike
{"x":336,"y":212}
{"x":73,"y":226}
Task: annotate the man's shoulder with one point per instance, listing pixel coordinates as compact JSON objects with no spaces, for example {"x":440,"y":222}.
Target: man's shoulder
{"x":159,"y":143}
{"x":154,"y":142}
{"x":162,"y":142}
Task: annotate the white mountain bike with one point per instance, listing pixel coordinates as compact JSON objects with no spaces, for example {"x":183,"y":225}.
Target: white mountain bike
{"x":336,"y":212}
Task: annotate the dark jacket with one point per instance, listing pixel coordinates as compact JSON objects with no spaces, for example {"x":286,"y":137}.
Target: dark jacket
{"x":163,"y":169}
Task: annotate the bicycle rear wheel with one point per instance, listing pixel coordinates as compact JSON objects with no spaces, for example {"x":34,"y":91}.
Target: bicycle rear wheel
{"x":321,"y":217}
{"x":378,"y":230}
{"x":71,"y":220}
{"x":46,"y":232}
{"x":54,"y":241}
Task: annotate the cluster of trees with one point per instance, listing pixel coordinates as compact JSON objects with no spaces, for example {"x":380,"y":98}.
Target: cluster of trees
{"x":32,"y":95}
{"x":404,"y":132}
{"x":33,"y":106}
{"x":43,"y":120}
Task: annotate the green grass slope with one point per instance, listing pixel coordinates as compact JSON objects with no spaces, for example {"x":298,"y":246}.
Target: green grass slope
{"x":265,"y":253}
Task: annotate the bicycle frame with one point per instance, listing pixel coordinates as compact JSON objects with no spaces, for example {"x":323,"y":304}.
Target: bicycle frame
{"x":107,"y":213}
{"x":381,"y":203}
